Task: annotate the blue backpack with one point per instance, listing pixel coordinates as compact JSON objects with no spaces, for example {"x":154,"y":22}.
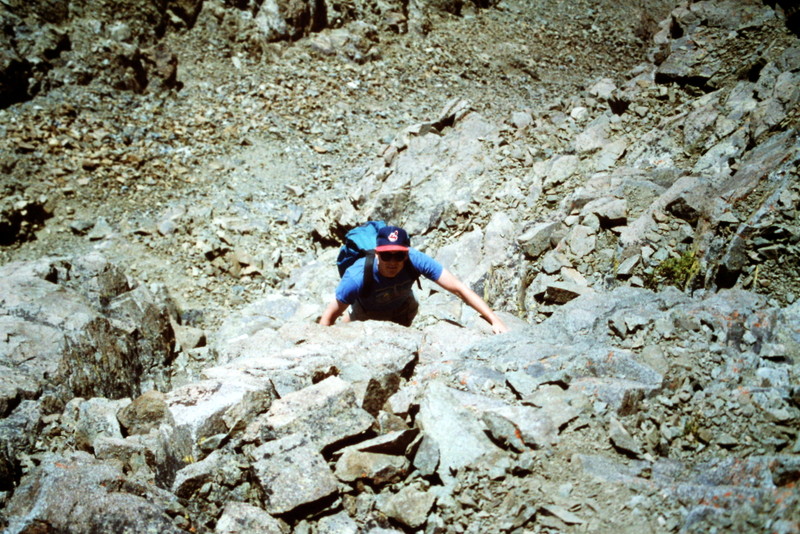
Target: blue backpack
{"x":360,"y":242}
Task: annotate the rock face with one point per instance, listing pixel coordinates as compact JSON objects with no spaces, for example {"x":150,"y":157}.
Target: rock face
{"x":51,"y":44}
{"x":77,"y":491}
{"x":639,"y":234}
{"x":467,"y":423}
{"x":75,"y":328}
{"x":79,"y":328}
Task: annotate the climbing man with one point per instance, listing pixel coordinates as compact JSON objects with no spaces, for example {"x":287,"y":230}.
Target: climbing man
{"x":387,"y":295}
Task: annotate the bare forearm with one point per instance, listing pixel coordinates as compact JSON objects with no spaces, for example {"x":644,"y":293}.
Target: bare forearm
{"x":334,"y":310}
{"x":472,"y":299}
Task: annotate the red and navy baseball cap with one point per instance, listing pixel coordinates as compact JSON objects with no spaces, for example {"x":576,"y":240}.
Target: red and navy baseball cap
{"x":392,"y":238}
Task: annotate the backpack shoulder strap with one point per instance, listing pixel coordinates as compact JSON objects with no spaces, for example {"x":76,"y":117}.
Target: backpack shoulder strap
{"x":369,"y":279}
{"x":415,"y":274}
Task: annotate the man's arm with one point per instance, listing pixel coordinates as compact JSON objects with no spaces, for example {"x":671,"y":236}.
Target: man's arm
{"x":334,"y":310}
{"x":455,"y":286}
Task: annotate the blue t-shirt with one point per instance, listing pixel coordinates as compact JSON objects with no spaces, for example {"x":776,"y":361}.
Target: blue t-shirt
{"x":387,"y":293}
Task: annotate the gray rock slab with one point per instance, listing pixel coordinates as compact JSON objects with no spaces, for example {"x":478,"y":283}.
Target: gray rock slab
{"x":155,"y":457}
{"x":340,"y":523}
{"x":292,"y":473}
{"x":573,"y":276}
{"x":622,"y":440}
{"x":603,"y":89}
{"x":238,"y":334}
{"x":687,"y":62}
{"x":376,"y":468}
{"x":21,"y":341}
{"x":465,"y":257}
{"x":77,"y":493}
{"x":432,"y":168}
{"x":612,"y":391}
{"x":370,"y":355}
{"x":127,"y":451}
{"x":498,"y":236}
{"x":287,"y":370}
{"x":456,"y":432}
{"x":167,"y":450}
{"x":214,"y":406}
{"x":609,"y":469}
{"x":325,"y":413}
{"x":553,"y":261}
{"x":401,"y":403}
{"x":626,"y":267}
{"x":561,"y":406}
{"x":243,"y":518}
{"x":503,"y":431}
{"x":193,"y":476}
{"x":253,"y":404}
{"x":609,"y":154}
{"x":409,"y":506}
{"x":426,"y":458}
{"x":581,"y":240}
{"x":725,"y":481}
{"x":593,"y":138}
{"x":532,"y":426}
{"x":522,"y":383}
{"x":536,"y":239}
{"x":440,"y":340}
{"x":93,"y":418}
{"x":188,"y":337}
{"x":633,"y":234}
{"x":556,"y":170}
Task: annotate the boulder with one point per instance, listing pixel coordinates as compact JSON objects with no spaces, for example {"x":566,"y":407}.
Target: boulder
{"x":148,"y":411}
{"x":192,"y":477}
{"x":243,"y":518}
{"x":279,"y":20}
{"x":326,"y":414}
{"x":339,"y":523}
{"x":537,"y":239}
{"x":409,"y":506}
{"x":374,"y":468}
{"x":217,"y":406}
{"x":93,"y":418}
{"x":371,"y":355}
{"x":532,"y":426}
{"x":79,"y":328}
{"x":292,"y":473}
{"x":79,"y":493}
{"x":154,"y":458}
{"x":455,"y":431}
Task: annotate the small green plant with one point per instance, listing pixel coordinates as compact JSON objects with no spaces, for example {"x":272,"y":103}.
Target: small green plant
{"x":678,"y":272}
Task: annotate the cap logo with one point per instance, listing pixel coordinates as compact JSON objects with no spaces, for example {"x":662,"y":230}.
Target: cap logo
{"x":393,"y":236}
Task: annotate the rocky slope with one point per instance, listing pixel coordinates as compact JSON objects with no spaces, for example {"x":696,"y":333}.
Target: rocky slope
{"x":625,"y":192}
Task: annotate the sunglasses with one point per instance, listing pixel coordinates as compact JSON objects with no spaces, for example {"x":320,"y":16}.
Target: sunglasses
{"x":392,"y":256}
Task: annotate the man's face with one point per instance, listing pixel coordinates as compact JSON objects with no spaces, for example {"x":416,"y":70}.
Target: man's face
{"x":391,"y":263}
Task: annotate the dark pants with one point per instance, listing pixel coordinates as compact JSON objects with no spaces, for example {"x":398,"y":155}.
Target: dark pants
{"x":403,"y":314}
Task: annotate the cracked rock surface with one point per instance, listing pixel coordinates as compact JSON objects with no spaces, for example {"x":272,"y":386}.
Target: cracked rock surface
{"x":619,"y":180}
